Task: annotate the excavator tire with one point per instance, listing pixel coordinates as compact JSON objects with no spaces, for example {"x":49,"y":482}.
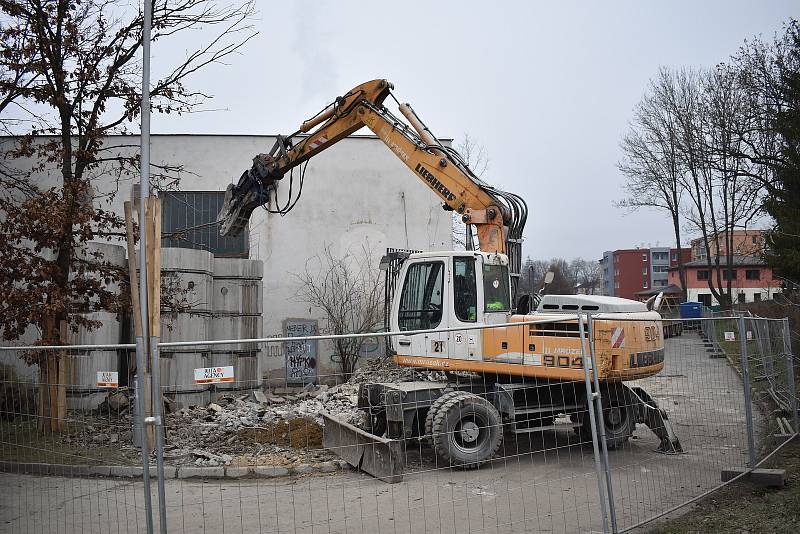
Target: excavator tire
{"x":466,"y":430}
{"x":618,"y":417}
{"x":428,"y":437}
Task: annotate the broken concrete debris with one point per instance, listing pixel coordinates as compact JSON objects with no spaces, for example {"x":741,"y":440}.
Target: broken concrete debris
{"x":280,"y":426}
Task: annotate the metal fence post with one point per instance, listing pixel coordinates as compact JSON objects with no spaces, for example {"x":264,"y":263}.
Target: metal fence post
{"x":790,"y":384}
{"x":598,"y":407}
{"x":748,"y":405}
{"x":140,"y":366}
{"x":590,"y":397}
{"x":159,"y":427}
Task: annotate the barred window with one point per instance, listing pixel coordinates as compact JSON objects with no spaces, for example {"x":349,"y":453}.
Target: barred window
{"x":188,"y":220}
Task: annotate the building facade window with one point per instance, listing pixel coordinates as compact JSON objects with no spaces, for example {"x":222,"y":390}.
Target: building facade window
{"x":189,"y":221}
{"x":741,"y":298}
{"x":752,"y":274}
{"x":644,"y":257}
{"x":644,"y":270}
{"x":644,"y":284}
{"x":729,"y":274}
{"x":756,"y":297}
{"x":702,"y":275}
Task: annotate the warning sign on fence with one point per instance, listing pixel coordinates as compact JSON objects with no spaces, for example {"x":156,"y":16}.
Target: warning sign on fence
{"x":213,"y":375}
{"x":729,"y":336}
{"x":107,"y":379}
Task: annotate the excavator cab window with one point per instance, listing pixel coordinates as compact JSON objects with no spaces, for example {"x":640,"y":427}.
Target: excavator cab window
{"x":421,"y":300}
{"x":496,"y":295}
{"x":465,"y":291}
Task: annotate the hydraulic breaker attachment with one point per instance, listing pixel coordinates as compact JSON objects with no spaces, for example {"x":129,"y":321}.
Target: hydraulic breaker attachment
{"x":658,"y":421}
{"x":380,"y":457}
{"x":240,"y":201}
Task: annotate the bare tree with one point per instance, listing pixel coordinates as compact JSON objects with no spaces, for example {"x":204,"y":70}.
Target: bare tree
{"x":711,"y":108}
{"x":590,"y":276}
{"x":651,"y":162}
{"x":349,"y":291}
{"x":532,"y":275}
{"x":477,"y":159}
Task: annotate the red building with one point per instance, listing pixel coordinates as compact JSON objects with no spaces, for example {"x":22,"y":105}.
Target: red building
{"x":627,"y":272}
{"x":751,"y":280}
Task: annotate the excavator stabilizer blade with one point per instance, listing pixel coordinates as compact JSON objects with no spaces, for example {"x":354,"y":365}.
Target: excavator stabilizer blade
{"x":658,"y":421}
{"x":380,"y":457}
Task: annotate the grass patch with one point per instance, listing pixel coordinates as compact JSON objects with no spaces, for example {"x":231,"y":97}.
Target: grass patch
{"x":741,"y":507}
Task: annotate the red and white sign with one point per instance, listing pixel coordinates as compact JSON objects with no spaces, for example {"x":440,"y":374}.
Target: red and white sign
{"x":213,"y":375}
{"x":618,"y":338}
{"x":107,"y":379}
{"x":317,"y":142}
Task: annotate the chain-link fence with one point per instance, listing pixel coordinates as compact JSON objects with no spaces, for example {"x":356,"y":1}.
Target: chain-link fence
{"x":572,"y":423}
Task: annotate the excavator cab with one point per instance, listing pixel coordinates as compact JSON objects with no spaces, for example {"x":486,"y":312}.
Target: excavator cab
{"x":445,"y":292}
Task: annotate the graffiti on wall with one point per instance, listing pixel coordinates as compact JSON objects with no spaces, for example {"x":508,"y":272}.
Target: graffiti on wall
{"x":301,"y":355}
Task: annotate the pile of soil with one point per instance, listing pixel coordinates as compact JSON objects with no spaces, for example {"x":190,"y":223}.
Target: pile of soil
{"x":298,"y":433}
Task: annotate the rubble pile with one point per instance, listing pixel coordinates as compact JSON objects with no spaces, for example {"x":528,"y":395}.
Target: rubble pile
{"x":284,"y":424}
{"x":385,"y":370}
{"x":281,"y":426}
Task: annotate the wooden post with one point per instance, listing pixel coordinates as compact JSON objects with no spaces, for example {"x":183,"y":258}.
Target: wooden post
{"x":153,"y":254}
{"x":134,"y":283}
{"x":154,"y":264}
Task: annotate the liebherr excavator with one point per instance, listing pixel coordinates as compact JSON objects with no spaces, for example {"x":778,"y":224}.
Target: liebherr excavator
{"x":519,"y":378}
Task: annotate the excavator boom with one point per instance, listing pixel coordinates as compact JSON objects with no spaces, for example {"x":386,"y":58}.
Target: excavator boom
{"x":499,"y":217}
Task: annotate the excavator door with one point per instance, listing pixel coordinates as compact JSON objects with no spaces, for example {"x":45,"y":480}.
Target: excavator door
{"x":421,"y":304}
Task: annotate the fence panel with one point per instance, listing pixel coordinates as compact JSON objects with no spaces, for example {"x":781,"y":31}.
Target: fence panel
{"x":243,"y":448}
{"x":67,"y":459}
{"x":253,"y":457}
{"x":705,"y":394}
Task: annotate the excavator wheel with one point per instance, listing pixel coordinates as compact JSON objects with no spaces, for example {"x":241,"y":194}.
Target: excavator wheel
{"x":466,"y":430}
{"x":428,"y":437}
{"x":619,"y":417}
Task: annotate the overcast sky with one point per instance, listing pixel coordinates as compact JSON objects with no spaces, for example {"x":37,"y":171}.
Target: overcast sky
{"x":547,"y":88}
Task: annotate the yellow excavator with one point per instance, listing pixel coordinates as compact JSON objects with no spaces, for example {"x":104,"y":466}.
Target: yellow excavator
{"x":515,"y":378}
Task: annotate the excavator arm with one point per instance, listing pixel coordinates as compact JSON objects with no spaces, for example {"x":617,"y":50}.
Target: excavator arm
{"x":499,"y":217}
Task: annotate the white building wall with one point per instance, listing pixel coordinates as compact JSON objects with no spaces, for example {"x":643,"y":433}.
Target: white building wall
{"x":355,"y":193}
{"x":767,"y":293}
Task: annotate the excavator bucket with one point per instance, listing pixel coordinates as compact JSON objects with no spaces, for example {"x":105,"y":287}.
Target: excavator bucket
{"x":658,"y":421}
{"x":380,"y":457}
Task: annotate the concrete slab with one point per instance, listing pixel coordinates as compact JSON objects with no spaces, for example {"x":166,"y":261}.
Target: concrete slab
{"x":773,"y":478}
{"x":201,"y":472}
{"x":270,"y":471}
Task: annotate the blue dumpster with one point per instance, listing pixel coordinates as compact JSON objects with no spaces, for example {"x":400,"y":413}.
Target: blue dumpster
{"x":691,"y":310}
